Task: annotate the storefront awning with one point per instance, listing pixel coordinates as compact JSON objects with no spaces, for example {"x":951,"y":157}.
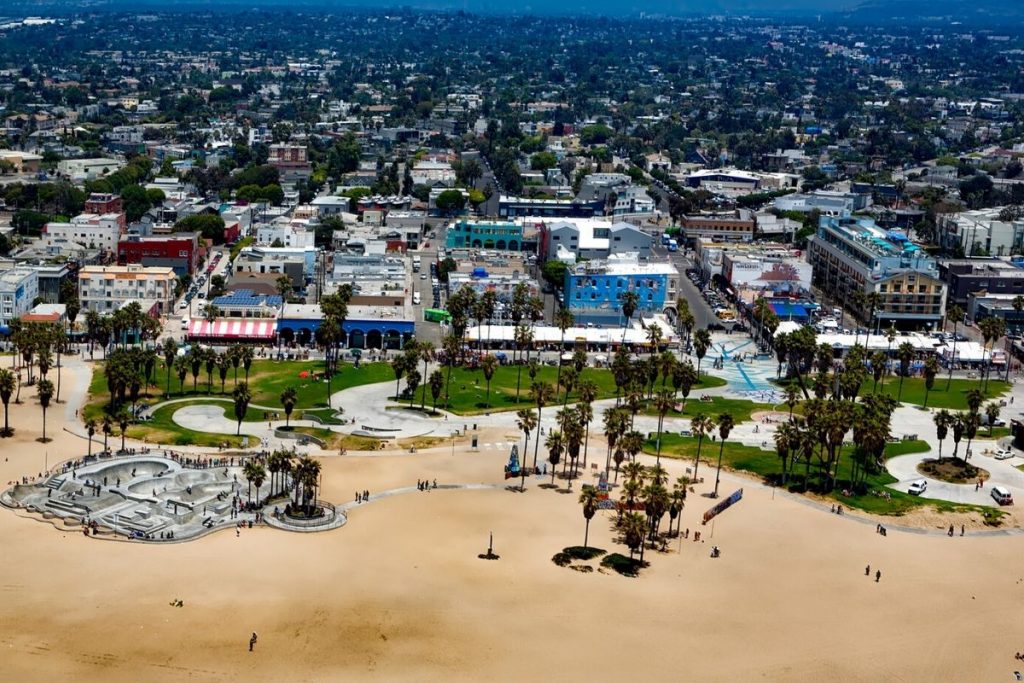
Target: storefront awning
{"x":233,"y":329}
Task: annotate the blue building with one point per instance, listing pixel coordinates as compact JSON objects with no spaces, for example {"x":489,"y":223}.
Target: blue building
{"x":363,"y":329}
{"x":498,"y":235}
{"x":594,"y":289}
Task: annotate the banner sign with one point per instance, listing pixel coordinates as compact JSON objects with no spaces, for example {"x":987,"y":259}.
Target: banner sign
{"x":722,"y":505}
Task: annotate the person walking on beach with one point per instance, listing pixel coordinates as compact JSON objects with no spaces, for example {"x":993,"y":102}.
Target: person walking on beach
{"x":252,"y":641}
{"x":867,"y":570}
{"x":878,"y":576}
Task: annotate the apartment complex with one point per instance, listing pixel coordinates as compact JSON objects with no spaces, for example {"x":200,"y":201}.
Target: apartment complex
{"x":18,"y":289}
{"x":179,"y":251}
{"x":734,"y":227}
{"x":106,"y":288}
{"x":855,"y":255}
{"x":92,"y":231}
{"x":591,"y":238}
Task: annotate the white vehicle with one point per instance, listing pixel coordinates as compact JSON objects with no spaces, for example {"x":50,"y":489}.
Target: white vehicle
{"x":416,"y":298}
{"x":1004,"y":454}
{"x":183,"y":305}
{"x":1002,"y":495}
{"x":918,"y":487}
{"x":184,"y":323}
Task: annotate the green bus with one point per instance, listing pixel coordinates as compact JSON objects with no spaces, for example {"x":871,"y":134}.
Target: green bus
{"x":436,"y":315}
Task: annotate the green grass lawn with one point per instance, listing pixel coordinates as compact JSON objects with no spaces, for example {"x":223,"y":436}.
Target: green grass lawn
{"x":267,"y":379}
{"x":739,"y":409}
{"x":938,"y":397}
{"x":469,"y":388}
{"x":766,"y":463}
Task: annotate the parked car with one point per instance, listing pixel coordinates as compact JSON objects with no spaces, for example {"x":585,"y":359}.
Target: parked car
{"x":918,"y":487}
{"x":1002,"y":495}
{"x":1004,"y":454}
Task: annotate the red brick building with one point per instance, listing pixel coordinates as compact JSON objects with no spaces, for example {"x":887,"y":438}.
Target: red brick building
{"x":179,"y":251}
{"x":99,"y":203}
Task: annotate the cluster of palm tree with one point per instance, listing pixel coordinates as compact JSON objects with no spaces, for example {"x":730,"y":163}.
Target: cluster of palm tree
{"x":290,"y":476}
{"x":128,"y":324}
{"x":965,"y":423}
{"x":330,"y":333}
{"x":645,"y":489}
{"x":407,"y":364}
{"x":201,"y":358}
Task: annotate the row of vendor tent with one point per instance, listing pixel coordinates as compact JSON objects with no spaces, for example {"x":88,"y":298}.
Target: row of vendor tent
{"x":970,"y":352}
{"x":603,"y":337}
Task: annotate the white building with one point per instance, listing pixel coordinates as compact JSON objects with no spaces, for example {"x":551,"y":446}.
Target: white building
{"x":433,"y":173}
{"x":286,"y":234}
{"x":19,"y":287}
{"x":90,"y":230}
{"x":107,"y":288}
{"x":88,"y":169}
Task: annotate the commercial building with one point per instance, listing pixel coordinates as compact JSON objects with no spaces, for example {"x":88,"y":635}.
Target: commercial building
{"x":244,"y":303}
{"x":593,"y":239}
{"x":982,"y":232}
{"x":513,"y":207}
{"x":106,"y":288}
{"x":88,"y":169}
{"x":369,"y":327}
{"x":965,"y":277}
{"x":179,"y":251}
{"x":498,"y":235}
{"x":827,"y":202}
{"x":494,"y":272}
{"x":290,"y":160}
{"x":594,"y":289}
{"x":89,"y":230}
{"x":19,"y":288}
{"x":751,"y":270}
{"x":739,"y":226}
{"x":855,"y":255}
{"x":103,"y":203}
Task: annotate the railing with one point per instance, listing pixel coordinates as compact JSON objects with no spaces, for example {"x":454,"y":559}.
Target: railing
{"x":328,"y":516}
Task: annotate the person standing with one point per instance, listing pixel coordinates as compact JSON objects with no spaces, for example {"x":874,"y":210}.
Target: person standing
{"x":878,"y":576}
{"x":252,"y":641}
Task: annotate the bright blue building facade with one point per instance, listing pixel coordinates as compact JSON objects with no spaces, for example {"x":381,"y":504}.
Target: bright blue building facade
{"x":501,"y":236}
{"x":593,"y":292}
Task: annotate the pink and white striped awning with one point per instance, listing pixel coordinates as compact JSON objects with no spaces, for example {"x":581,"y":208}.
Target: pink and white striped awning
{"x":233,"y":329}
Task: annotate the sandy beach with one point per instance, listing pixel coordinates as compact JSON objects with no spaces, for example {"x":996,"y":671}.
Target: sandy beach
{"x":399,"y":593}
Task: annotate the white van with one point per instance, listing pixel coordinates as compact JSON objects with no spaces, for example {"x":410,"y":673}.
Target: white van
{"x":184,"y":323}
{"x":1002,"y":495}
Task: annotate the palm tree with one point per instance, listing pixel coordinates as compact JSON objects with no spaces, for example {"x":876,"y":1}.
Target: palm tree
{"x":614,"y":428}
{"x":288,"y":399}
{"x":182,"y":369}
{"x":564,"y":319}
{"x":701,"y":344}
{"x":249,"y":472}
{"x":906,"y":354}
{"x":792,"y":393}
{"x":677,"y":502}
{"x":588,"y":393}
{"x":931,"y":369}
{"x":8,"y":384}
{"x":488,"y":364}
{"x":426,"y":352}
{"x":663,"y":403}
{"x":523,"y":338}
{"x":632,"y":443}
{"x":412,"y":382}
{"x":701,"y":426}
{"x":725,"y":425}
{"x":956,"y":314}
{"x":526,"y":420}
{"x":399,"y":364}
{"x":241,"y":397}
{"x":248,"y":355}
{"x":628,"y":301}
{"x":554,"y":445}
{"x":123,"y":421}
{"x":588,"y":499}
{"x":90,"y":428}
{"x":436,"y":384}
{"x":879,"y":360}
{"x":542,"y":394}
{"x":992,"y":413}
{"x":108,"y":428}
{"x":957,"y":424}
{"x":943,"y":419}
{"x":44,"y":393}
{"x":634,"y":530}
{"x":223,"y":363}
{"x":654,"y":338}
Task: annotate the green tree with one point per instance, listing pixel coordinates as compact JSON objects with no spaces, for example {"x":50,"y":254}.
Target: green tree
{"x":44,"y":391}
{"x":241,"y":398}
{"x":288,"y":400}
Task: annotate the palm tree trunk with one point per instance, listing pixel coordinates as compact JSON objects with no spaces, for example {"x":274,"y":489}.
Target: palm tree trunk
{"x":44,"y":425}
{"x":952,"y":359}
{"x":522,"y":465}
{"x":586,"y":534}
{"x":696,"y":459}
{"x":536,"y":442}
{"x":721,"y":449}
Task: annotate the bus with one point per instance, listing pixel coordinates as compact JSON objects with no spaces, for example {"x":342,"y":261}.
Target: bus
{"x":437,"y":315}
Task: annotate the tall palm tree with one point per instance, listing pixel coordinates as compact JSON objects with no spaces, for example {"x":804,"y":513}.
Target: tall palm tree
{"x":725,"y":425}
{"x":614,"y":427}
{"x":701,"y":344}
{"x":44,"y":393}
{"x":992,"y":413}
{"x":241,"y":397}
{"x":488,"y":365}
{"x":554,"y":444}
{"x":931,"y":369}
{"x":632,"y":443}
{"x":526,"y":420}
{"x":108,"y":428}
{"x":588,"y":393}
{"x":542,"y":394}
{"x":942,"y":419}
{"x":426,"y":352}
{"x":654,"y":338}
{"x":8,"y":384}
{"x":956,"y":314}
{"x":628,"y":302}
{"x":588,"y":499}
{"x":399,"y":364}
{"x":249,"y":472}
{"x":436,"y":384}
{"x":701,"y":426}
{"x":634,"y":530}
{"x":523,"y":339}
{"x":564,"y":319}
{"x":90,"y":429}
{"x":123,"y":421}
{"x":288,"y":399}
{"x":663,"y":403}
{"x":905,"y":353}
